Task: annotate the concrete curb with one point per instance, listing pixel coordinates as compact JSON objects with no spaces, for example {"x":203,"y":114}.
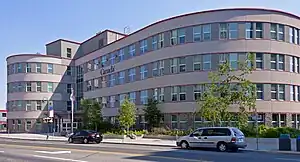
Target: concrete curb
{"x":140,"y":144}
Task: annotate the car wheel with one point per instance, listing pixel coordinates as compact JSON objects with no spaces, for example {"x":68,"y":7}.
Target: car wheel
{"x":184,"y":145}
{"x":98,"y":142}
{"x":85,"y":141}
{"x":70,"y":140}
{"x":222,"y":146}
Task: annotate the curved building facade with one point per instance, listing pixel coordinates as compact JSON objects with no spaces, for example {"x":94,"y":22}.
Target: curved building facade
{"x":170,"y":61}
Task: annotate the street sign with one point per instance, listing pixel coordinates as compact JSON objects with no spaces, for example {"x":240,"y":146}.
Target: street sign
{"x":50,"y":109}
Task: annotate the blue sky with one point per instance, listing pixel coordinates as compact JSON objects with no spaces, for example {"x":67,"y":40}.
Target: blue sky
{"x":27,"y":25}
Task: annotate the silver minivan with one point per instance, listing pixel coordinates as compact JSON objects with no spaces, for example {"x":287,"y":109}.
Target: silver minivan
{"x":222,"y":138}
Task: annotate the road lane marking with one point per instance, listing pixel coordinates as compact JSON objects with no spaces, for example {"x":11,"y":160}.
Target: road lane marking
{"x":54,"y":152}
{"x":286,"y":159}
{"x":56,"y":158}
{"x":103,"y":152}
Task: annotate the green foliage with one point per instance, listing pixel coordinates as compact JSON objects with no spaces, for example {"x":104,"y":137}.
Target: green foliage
{"x":152,"y":114}
{"x":127,"y":114}
{"x":92,"y":116}
{"x":270,"y":132}
{"x":229,"y":88}
{"x":120,"y":132}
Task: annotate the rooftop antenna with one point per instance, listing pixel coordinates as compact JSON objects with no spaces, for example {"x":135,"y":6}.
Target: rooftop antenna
{"x":38,"y":53}
{"x":127,"y":30}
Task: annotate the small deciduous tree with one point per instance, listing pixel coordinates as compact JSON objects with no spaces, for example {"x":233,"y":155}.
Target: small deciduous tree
{"x":229,"y":87}
{"x":92,"y":116}
{"x":152,"y":114}
{"x":127,"y":114}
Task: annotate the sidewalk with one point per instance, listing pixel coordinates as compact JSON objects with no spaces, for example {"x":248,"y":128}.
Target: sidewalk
{"x":264,"y":144}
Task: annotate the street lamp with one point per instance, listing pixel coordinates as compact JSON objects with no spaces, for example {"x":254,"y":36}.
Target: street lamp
{"x":72,"y":98}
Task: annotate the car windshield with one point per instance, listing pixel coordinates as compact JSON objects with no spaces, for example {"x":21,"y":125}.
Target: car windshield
{"x":237,"y":132}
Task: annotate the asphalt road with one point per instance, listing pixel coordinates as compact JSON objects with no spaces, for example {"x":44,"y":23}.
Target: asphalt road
{"x":38,"y":151}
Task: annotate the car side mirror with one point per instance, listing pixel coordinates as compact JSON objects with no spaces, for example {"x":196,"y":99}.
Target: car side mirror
{"x":191,"y":135}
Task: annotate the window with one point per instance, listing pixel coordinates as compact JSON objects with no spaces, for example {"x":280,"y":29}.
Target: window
{"x":4,"y":115}
{"x":293,"y":93}
{"x":103,"y":61}
{"x":259,"y":30}
{"x":112,"y":58}
{"x":28,"y":68}
{"x":259,"y":60}
{"x":197,"y":33}
{"x":20,"y":87}
{"x":197,"y":62}
{"x":161,"y":94}
{"x":174,"y":93}
{"x":144,"y":97}
{"x":69,"y":53}
{"x":249,"y":30}
{"x":89,"y":66}
{"x":174,"y":122}
{"x":296,"y":61}
{"x":19,"y":66}
{"x":182,"y":64}
{"x":273,"y":31}
{"x":197,"y":92}
{"x":131,"y":51}
{"x":103,"y":81}
{"x":207,"y":62}
{"x":296,"y":35}
{"x":173,"y":38}
{"x":39,"y":105}
{"x":69,"y":105}
{"x":121,"y":55}
{"x":38,"y":86}
{"x":155,"y":69}
{"x":161,"y":67}
{"x":50,"y":68}
{"x":259,"y":91}
{"x":233,"y":30}
{"x":69,"y":88}
{"x":233,"y":60}
{"x":112,"y":100}
{"x":14,"y":68}
{"x":155,"y":94}
{"x":50,"y":87}
{"x":161,"y":40}
{"x":181,"y":36}
{"x":112,"y":80}
{"x":38,"y":67}
{"x":291,"y":34}
{"x":69,"y":71}
{"x":121,"y":98}
{"x":96,"y":83}
{"x":173,"y":62}
{"x":143,"y":46}
{"x":281,"y":62}
{"x":222,"y":58}
{"x":28,"y":125}
{"x":28,"y":87}
{"x":182,"y":93}
{"x":281,"y":32}
{"x":144,"y":72}
{"x":206,"y":32}
{"x":121,"y":77}
{"x":277,"y":92}
{"x":292,"y":65}
{"x":28,"y":105}
{"x":132,"y":97}
{"x":131,"y":75}
{"x":89,"y":85}
{"x":277,"y":62}
{"x":154,"y":43}
{"x":223,"y":31}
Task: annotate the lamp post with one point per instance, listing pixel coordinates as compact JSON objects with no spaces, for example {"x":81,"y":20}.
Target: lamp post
{"x":72,"y":98}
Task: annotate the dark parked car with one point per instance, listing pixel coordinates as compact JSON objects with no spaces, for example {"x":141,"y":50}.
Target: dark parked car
{"x":85,"y":136}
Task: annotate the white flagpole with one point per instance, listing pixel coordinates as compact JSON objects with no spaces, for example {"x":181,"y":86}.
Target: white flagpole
{"x":72,"y":97}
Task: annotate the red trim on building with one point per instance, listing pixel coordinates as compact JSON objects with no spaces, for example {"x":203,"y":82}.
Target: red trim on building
{"x":3,"y":110}
{"x":3,"y":122}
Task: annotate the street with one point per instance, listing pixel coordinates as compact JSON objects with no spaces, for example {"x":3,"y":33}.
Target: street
{"x":39,"y":151}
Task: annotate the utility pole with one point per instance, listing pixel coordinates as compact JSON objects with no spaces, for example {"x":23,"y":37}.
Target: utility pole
{"x":72,"y":98}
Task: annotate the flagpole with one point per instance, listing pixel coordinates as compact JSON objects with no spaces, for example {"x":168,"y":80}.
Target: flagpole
{"x":72,"y":109}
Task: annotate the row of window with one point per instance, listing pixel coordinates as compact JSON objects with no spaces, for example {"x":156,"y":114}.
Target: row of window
{"x":179,"y":93}
{"x":33,"y":87}
{"x":253,"y":30}
{"x":180,"y":65}
{"x":28,"y":68}
{"x":31,"y":105}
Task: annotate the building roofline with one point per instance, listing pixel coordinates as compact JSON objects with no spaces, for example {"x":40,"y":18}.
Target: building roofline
{"x":39,"y":55}
{"x":65,"y":40}
{"x":195,"y":13}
